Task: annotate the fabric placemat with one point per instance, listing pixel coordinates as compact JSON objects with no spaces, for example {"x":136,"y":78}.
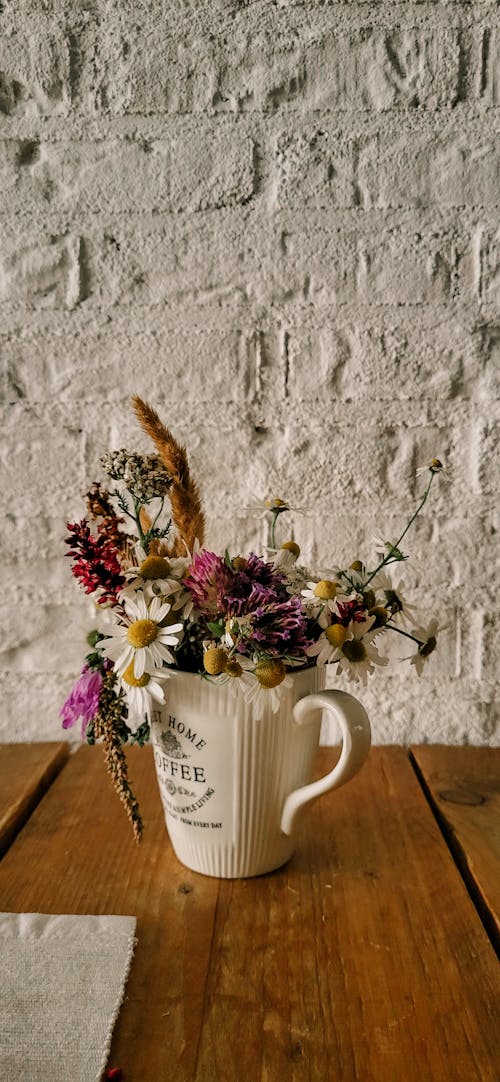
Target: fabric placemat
{"x":62,"y":980}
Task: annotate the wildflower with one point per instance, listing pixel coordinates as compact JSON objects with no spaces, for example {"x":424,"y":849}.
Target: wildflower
{"x":83,"y":700}
{"x":286,"y":556}
{"x":96,"y":563}
{"x":214,"y":660}
{"x":427,"y":641}
{"x":358,"y":655}
{"x":140,"y":637}
{"x":351,"y":647}
{"x":270,"y":673}
{"x":144,"y":476}
{"x":434,"y":466}
{"x":321,"y":600}
{"x":273,"y":505}
{"x":140,"y":691}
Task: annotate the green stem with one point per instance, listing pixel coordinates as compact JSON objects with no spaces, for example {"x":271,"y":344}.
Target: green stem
{"x":142,"y":538}
{"x":405,"y":531}
{"x":272,"y":538}
{"x":390,"y":627}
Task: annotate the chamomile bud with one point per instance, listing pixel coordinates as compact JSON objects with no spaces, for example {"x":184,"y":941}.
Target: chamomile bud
{"x":326,"y":590}
{"x":291,"y":546}
{"x":270,"y":673}
{"x":215,"y":660}
{"x":336,"y":634}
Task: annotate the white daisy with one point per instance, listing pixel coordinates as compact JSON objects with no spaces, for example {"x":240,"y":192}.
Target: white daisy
{"x":358,"y":656}
{"x":427,"y":637}
{"x":140,"y":691}
{"x":351,"y":647}
{"x":434,"y":466}
{"x":139,"y":636}
{"x":394,"y":599}
{"x":260,"y":697}
{"x":273,"y":505}
{"x":285,"y":557}
{"x":320,"y":600}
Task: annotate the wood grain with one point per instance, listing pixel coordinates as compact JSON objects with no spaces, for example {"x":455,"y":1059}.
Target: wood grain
{"x":363,"y":959}
{"x":463,"y":784}
{"x":26,"y":772}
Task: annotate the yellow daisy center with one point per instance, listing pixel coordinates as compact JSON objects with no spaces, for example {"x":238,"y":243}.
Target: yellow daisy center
{"x":354,"y":650}
{"x":154,"y":567}
{"x":142,"y":633}
{"x":275,"y":503}
{"x":291,"y":546}
{"x":214,"y":660}
{"x":357,"y":565}
{"x":436,"y":464}
{"x":233,"y":667}
{"x":135,"y":681}
{"x":336,"y":634}
{"x":270,"y":673}
{"x":326,"y":590}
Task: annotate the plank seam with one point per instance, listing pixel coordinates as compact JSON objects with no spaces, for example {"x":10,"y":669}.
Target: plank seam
{"x":459,"y":857}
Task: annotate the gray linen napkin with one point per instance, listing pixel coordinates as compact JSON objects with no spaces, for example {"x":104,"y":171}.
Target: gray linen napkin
{"x":62,"y":980}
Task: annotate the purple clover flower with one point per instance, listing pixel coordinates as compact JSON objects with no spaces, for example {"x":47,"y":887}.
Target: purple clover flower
{"x":254,"y":590}
{"x":83,"y":700}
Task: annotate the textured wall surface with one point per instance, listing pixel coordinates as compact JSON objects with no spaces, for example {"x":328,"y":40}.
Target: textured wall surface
{"x":277,"y":221}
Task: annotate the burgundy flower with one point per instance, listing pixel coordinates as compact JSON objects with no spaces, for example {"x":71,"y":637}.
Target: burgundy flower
{"x":95,"y":562}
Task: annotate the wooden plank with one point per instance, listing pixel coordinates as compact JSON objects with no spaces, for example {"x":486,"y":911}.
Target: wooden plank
{"x":362,"y":959}
{"x":77,"y":855}
{"x":26,"y":772}
{"x":463,"y":784}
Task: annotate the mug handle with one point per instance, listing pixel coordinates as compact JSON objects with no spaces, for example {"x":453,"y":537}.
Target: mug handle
{"x":356,"y":739}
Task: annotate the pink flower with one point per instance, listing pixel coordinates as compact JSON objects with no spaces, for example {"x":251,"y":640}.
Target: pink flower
{"x":83,"y":700}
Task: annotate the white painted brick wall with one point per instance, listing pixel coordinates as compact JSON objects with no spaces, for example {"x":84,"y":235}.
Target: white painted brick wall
{"x":277,"y":221}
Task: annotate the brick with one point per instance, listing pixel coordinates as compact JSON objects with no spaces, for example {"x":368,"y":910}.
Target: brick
{"x":202,"y":169}
{"x":211,"y":168}
{"x":185,"y":261}
{"x":31,"y":704}
{"x":262,"y":62}
{"x":34,"y":66}
{"x":31,"y":640}
{"x":391,"y":266}
{"x":108,"y":176}
{"x":48,"y":455}
{"x":317,"y":169}
{"x":349,"y":361}
{"x":109,"y":364}
{"x":382,"y":69}
{"x":412,"y":170}
{"x":42,"y":272}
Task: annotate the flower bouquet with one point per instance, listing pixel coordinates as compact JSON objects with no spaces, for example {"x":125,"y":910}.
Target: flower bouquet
{"x":247,"y":621}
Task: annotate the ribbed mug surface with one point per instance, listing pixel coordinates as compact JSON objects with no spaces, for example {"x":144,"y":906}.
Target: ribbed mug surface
{"x":225,"y":768}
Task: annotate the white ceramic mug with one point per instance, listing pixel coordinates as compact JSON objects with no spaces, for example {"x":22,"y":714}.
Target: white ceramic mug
{"x":233,"y":779}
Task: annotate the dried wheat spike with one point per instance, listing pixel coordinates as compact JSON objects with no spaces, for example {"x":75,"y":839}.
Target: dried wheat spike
{"x":187,"y":515}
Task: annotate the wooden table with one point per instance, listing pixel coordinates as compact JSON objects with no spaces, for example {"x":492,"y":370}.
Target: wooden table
{"x":370,"y":957}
